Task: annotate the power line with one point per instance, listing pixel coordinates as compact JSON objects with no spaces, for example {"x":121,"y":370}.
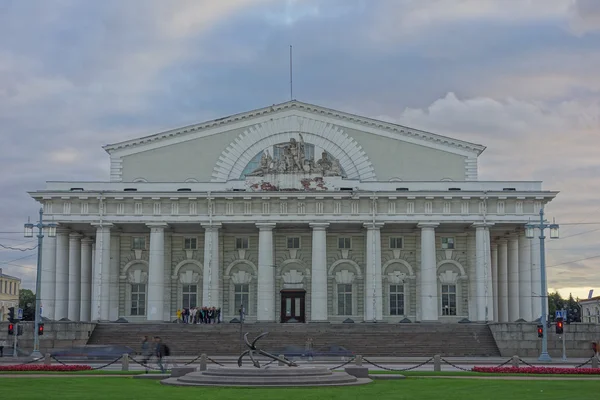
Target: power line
{"x":17,"y":248}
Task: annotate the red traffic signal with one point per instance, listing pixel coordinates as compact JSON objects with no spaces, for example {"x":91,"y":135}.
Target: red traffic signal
{"x":559,"y":325}
{"x":40,"y":329}
{"x":11,"y":329}
{"x":540,"y":330}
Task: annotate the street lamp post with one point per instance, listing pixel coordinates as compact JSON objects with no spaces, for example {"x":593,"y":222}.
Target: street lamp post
{"x":529,"y":233}
{"x":38,"y":282}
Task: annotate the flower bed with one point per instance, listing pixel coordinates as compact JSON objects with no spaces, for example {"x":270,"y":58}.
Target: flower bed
{"x":42,"y":368}
{"x":538,"y":370}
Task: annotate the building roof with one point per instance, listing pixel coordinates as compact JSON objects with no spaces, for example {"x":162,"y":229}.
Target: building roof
{"x":8,"y":276}
{"x":294,"y":104}
{"x":596,"y":298}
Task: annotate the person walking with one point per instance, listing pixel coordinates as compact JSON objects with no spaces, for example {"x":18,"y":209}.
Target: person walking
{"x":161,"y":351}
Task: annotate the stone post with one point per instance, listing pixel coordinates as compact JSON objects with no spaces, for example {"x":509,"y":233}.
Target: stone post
{"x":47,"y":359}
{"x":437,"y":363}
{"x":125,"y":362}
{"x":515,"y":361}
{"x":203,"y":362}
{"x":358,"y":361}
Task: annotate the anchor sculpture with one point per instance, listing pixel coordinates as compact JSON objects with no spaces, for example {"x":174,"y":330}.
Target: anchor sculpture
{"x":253,"y":351}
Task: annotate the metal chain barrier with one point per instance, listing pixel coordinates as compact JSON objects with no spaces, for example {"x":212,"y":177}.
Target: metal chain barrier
{"x":341,"y":365}
{"x":455,"y":366}
{"x":194,"y":360}
{"x":395,"y":369}
{"x":143,"y":364}
{"x":106,"y":365}
{"x":525,"y":362}
{"x":57,"y":360}
{"x":213,"y":361}
{"x":32,"y":361}
{"x":504,"y":363}
{"x":585,"y":363}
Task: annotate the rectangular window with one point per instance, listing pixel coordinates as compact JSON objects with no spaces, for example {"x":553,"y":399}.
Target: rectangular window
{"x":241,"y":243}
{"x":448,"y":299}
{"x":242,"y":295}
{"x":190,"y":243}
{"x":396,"y":243}
{"x":344,"y":299}
{"x":138,"y":299}
{"x":138,"y":243}
{"x":396,"y":299}
{"x":190,"y":296}
{"x":447,"y":243}
{"x":293,"y":243}
{"x":344,"y":243}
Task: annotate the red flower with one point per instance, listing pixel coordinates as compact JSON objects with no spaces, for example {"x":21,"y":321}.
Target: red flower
{"x":43,"y":367}
{"x":538,"y":370}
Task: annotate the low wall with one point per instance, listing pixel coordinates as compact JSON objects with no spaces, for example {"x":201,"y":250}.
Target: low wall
{"x":522,"y":339}
{"x":57,"y":335}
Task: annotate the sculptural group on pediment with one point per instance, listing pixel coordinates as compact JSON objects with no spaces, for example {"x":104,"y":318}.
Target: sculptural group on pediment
{"x":292,"y":160}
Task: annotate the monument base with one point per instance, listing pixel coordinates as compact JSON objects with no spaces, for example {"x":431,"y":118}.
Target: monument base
{"x":293,"y":181}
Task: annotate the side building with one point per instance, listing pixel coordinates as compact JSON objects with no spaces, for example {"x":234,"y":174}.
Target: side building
{"x":9,"y":294}
{"x":300,"y":213}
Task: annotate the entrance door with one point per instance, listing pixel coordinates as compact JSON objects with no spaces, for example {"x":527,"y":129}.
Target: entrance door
{"x":292,"y":306}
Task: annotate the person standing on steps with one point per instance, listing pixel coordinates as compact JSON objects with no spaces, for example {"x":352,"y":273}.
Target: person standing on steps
{"x":2,"y":344}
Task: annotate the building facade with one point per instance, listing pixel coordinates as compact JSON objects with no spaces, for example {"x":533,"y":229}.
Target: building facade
{"x":301,"y":214}
{"x":9,"y":294}
{"x":590,"y":310}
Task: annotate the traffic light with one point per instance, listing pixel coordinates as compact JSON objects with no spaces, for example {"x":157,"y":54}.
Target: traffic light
{"x":11,"y":329}
{"x":540,"y":329}
{"x":40,"y":329}
{"x":559,"y":325}
{"x":11,"y":314}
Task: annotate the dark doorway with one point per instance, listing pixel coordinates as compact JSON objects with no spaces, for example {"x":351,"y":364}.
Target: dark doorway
{"x":292,"y":306}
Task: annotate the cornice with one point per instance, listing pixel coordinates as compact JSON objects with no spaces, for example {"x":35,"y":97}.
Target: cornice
{"x":401,"y":131}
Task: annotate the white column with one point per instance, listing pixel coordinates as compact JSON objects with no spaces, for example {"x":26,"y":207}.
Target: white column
{"x":429,"y":284}
{"x":318,"y":312}
{"x":502,"y":280}
{"x":489,"y":282}
{"x":373,"y":281}
{"x":99,"y":309}
{"x":513,"y":278}
{"x":62,"y":274}
{"x":494,"y":263}
{"x":472,"y":263}
{"x":480,"y":270}
{"x":74,"y":277}
{"x":266,"y":273}
{"x":536,"y":275}
{"x":525,"y":303}
{"x":156,"y":272}
{"x":86,"y":279}
{"x":211,"y":292}
{"x":113,"y":277}
{"x":48,"y":286}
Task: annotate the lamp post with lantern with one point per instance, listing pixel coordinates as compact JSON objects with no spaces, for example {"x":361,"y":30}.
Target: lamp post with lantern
{"x":529,"y":233}
{"x":38,"y":282}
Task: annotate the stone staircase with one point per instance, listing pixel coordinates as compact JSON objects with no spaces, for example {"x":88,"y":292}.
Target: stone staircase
{"x":368,"y":339}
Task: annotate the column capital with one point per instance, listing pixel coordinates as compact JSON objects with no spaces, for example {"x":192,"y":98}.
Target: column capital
{"x":319,"y":226}
{"x":371,"y":225}
{"x":75,"y":236}
{"x":102,"y":225}
{"x":502,"y":241}
{"x":481,"y":225}
{"x":265,"y":226}
{"x":214,"y":225}
{"x":62,"y":230}
{"x":158,"y":225}
{"x":428,"y":225}
{"x":88,"y":241}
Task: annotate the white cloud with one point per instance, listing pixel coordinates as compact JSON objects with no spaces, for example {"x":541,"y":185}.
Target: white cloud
{"x":584,"y":16}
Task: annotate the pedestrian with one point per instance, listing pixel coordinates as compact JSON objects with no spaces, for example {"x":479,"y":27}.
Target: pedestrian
{"x":161,"y":350}
{"x":2,"y":344}
{"x":178,"y":316}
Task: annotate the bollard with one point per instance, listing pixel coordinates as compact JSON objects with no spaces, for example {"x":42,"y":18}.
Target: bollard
{"x":281,"y":357}
{"x":595,"y":362}
{"x":47,"y":359}
{"x":125,"y":362}
{"x":515,"y":361}
{"x":437,"y":363}
{"x":358,"y":361}
{"x":203,"y":362}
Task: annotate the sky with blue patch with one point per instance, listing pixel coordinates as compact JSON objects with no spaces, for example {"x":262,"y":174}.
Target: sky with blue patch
{"x":519,"y":76}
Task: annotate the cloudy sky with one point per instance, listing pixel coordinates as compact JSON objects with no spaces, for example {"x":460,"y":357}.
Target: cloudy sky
{"x":519,"y":76}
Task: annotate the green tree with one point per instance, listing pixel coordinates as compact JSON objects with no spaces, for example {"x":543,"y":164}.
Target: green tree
{"x":27,"y":303}
{"x":555,"y":302}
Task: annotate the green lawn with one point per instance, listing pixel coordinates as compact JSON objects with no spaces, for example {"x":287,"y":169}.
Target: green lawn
{"x":408,"y":389}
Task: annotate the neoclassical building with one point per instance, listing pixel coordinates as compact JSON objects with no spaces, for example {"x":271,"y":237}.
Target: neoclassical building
{"x":302,"y":214}
{"x":9,"y":294}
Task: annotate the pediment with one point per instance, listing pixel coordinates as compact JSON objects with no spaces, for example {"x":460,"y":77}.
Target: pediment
{"x":296,"y":109}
